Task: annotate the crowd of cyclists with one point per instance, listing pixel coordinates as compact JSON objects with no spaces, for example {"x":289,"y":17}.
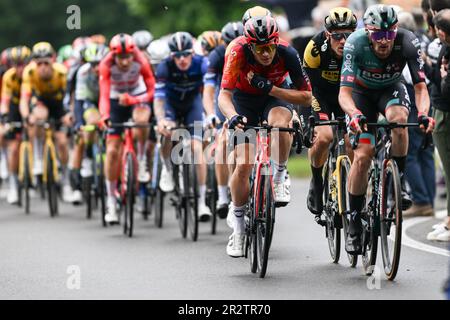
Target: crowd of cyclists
{"x":229,"y":80}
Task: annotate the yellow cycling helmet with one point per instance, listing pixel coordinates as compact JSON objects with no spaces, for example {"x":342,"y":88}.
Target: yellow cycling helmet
{"x":20,"y":55}
{"x":340,"y":18}
{"x":43,"y":50}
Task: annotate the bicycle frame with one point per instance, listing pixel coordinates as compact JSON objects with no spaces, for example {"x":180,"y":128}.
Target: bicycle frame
{"x":49,"y":145}
{"x":128,"y":149}
{"x":262,"y":162}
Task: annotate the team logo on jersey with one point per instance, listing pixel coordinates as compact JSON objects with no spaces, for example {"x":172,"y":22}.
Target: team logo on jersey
{"x":348,"y":63}
{"x":330,"y":75}
{"x":315,"y":104}
{"x":380,"y":76}
{"x":324,"y":47}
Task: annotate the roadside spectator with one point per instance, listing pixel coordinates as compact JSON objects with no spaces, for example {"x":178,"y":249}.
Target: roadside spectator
{"x":420,"y":169}
{"x":441,"y":104}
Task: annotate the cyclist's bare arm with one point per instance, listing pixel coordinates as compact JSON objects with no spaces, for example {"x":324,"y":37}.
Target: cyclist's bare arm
{"x":422,"y":97}
{"x":208,"y":99}
{"x":292,"y":95}
{"x":226,"y":103}
{"x":346,"y":100}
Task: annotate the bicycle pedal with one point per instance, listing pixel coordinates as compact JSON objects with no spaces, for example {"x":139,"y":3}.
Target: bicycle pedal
{"x":319,"y":221}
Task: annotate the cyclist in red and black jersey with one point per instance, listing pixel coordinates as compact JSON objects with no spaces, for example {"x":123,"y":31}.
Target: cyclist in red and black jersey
{"x":262,"y":79}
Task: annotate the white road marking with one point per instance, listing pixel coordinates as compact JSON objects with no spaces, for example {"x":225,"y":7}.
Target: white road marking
{"x":409,"y":242}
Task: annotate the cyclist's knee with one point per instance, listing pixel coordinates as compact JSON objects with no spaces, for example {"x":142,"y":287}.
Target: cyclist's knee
{"x":40,"y":112}
{"x":141,"y":115}
{"x":397,"y":114}
{"x":363,"y":157}
{"x":324,"y":136}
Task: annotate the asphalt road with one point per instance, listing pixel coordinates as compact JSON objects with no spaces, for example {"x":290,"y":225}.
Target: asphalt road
{"x":69,"y":257}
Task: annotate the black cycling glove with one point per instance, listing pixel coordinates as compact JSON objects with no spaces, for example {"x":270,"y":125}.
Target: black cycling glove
{"x":261,"y":83}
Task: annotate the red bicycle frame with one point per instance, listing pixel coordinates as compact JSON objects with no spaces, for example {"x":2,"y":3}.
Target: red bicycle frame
{"x":262,"y":162}
{"x":128,"y":148}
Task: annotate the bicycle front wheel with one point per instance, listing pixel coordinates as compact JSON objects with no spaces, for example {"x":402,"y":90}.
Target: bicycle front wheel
{"x":130,"y":182}
{"x":211,"y":195}
{"x":391,"y":219}
{"x":180,"y":200}
{"x":333,"y":233}
{"x":51,"y":182}
{"x":344,"y":203}
{"x":264,"y":223}
{"x":191,"y":203}
{"x":25,"y":183}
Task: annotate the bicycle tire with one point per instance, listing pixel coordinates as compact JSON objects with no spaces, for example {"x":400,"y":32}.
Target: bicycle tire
{"x":180,"y":201}
{"x":389,"y":218}
{"x":332,"y":233}
{"x":26,"y":183}
{"x":87,"y":191}
{"x":344,"y":168}
{"x":101,"y":185}
{"x":370,"y":247}
{"x":130,"y":181}
{"x":191,"y":196}
{"x":212,"y":195}
{"x":51,"y":184}
{"x":264,"y":224}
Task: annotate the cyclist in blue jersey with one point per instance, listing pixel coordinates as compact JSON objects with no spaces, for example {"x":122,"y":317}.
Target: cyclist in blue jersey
{"x":179,"y":80}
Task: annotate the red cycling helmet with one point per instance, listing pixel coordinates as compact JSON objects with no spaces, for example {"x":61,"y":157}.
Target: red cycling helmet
{"x":261,"y":30}
{"x":122,"y":44}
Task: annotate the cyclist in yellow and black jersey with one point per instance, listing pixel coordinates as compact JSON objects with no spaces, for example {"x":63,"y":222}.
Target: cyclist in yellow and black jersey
{"x":9,"y":112}
{"x":322,"y":61}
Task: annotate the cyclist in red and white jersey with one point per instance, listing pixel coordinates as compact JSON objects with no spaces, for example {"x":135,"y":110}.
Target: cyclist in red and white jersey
{"x":127,"y":84}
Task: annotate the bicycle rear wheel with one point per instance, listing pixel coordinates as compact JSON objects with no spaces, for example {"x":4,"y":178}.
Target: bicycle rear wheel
{"x":51,"y":183}
{"x":25,"y":184}
{"x":101,"y":184}
{"x":191,"y":204}
{"x":211,"y":195}
{"x":130,"y":185}
{"x":333,"y":233}
{"x":157,"y":193}
{"x":264,"y":223}
{"x":87,"y":191}
{"x":344,"y":202}
{"x":391,"y":219}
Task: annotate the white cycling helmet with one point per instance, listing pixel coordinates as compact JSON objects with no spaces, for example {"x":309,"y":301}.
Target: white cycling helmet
{"x":142,"y":38}
{"x":158,"y":51}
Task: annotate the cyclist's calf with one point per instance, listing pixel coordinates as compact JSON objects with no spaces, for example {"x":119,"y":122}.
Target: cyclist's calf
{"x":359,"y":170}
{"x":112,"y":161}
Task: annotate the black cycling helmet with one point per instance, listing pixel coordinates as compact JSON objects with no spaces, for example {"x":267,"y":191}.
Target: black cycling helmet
{"x":340,"y":18}
{"x":180,"y":41}
{"x":261,"y":30}
{"x":380,"y":17}
{"x":231,"y":31}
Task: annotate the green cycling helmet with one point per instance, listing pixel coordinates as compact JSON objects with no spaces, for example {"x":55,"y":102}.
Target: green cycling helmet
{"x":380,"y":17}
{"x":94,"y":53}
{"x":65,"y":53}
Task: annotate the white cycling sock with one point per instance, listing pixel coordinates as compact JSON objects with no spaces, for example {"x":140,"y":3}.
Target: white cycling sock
{"x":168,"y":164}
{"x":111,"y":188}
{"x":12,"y":181}
{"x":279,"y":172}
{"x":202,"y":191}
{"x":238,"y":221}
{"x":141,"y":150}
{"x":37,"y":148}
{"x":223,"y":194}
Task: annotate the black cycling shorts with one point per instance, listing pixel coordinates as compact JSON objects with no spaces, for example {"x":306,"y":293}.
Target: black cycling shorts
{"x":55,"y":109}
{"x":13,"y":116}
{"x":373,"y":102}
{"x":326,"y":105}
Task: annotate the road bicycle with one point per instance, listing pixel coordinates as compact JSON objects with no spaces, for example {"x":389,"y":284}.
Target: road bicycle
{"x":382,"y":214}
{"x":128,"y":182}
{"x":260,"y":214}
{"x":335,"y":194}
{"x":186,"y":193}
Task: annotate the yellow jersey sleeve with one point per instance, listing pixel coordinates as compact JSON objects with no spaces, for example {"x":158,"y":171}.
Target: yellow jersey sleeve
{"x":11,"y":86}
{"x":26,"y":88}
{"x":311,"y":57}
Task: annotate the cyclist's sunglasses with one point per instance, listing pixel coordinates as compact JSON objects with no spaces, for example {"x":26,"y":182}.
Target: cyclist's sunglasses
{"x":179,"y":54}
{"x":124,"y":56}
{"x":260,"y":48}
{"x":43,"y":62}
{"x":380,"y":35}
{"x":339,"y":35}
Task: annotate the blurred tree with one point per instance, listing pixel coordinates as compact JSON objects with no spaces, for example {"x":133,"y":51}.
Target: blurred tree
{"x":27,"y":22}
{"x":194,"y":16}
